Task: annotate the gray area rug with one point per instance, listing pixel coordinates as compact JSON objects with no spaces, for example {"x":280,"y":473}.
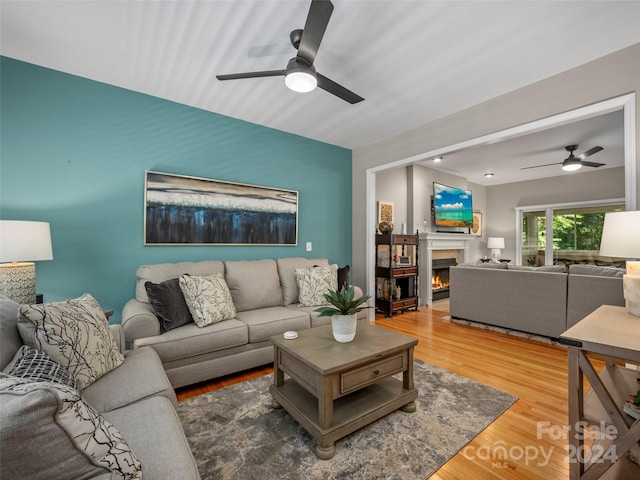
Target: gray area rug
{"x":235,"y":434}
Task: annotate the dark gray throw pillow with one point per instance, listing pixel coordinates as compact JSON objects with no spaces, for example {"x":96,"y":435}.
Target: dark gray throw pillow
{"x":169,"y":304}
{"x":343,"y":276}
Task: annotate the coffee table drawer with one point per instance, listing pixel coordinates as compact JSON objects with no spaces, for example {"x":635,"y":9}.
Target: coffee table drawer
{"x":361,"y":377}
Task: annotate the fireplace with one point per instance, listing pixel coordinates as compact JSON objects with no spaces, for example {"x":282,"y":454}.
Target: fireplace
{"x":440,"y":277}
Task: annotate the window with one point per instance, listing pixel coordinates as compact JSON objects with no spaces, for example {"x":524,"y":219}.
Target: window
{"x":564,"y":233}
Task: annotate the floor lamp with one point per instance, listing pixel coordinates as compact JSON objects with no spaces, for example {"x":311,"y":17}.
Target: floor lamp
{"x":21,"y":244}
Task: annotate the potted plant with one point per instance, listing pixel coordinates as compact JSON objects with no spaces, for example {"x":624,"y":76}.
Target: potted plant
{"x":343,"y":312}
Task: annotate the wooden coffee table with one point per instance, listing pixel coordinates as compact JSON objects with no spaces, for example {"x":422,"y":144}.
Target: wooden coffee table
{"x":332,"y":389}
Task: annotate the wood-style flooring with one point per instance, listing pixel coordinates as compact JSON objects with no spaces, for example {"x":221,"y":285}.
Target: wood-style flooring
{"x":526,"y":442}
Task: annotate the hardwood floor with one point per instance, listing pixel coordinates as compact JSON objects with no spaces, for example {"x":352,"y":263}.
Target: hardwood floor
{"x":517,"y":445}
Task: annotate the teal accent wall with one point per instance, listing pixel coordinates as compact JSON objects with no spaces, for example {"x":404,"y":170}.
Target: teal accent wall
{"x":73,"y":153}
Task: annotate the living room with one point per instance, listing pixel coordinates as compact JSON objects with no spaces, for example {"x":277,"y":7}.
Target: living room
{"x":74,"y":153}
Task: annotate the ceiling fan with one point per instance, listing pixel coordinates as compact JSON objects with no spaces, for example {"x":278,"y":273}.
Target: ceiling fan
{"x":299,"y":74}
{"x":572,"y":162}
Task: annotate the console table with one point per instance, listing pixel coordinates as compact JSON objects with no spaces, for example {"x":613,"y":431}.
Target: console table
{"x":613,"y":334}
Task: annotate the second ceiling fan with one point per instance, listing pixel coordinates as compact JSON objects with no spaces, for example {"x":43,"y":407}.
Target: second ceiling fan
{"x":300,"y":74}
{"x":573,"y":162}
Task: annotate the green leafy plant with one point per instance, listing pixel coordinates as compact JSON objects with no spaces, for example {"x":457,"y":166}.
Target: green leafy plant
{"x":342,"y":302}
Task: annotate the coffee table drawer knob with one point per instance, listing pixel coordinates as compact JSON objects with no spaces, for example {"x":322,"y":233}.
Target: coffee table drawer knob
{"x":376,"y":372}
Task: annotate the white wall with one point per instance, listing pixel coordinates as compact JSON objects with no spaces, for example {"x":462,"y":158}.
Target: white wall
{"x":611,"y":76}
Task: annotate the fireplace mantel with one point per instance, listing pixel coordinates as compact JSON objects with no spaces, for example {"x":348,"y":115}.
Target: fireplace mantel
{"x":439,"y":241}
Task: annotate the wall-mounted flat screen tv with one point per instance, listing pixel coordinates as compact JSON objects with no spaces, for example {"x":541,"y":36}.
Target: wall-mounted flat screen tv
{"x":452,"y":207}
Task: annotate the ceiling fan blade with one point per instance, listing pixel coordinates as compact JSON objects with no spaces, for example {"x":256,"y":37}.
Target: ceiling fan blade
{"x":538,"y":166}
{"x":338,"y":90}
{"x":589,"y":152}
{"x":236,"y":76}
{"x":319,"y":14}
{"x":591,"y":164}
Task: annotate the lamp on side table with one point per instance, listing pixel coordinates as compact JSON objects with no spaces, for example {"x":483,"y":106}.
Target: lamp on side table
{"x":22,"y":243}
{"x":621,"y":238}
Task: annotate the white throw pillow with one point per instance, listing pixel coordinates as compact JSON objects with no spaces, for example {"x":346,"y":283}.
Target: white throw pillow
{"x":75,"y":333}
{"x":314,"y":283}
{"x":208,"y":298}
{"x":48,"y":431}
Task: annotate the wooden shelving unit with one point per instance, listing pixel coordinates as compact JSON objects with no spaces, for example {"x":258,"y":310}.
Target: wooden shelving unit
{"x":396,"y":273}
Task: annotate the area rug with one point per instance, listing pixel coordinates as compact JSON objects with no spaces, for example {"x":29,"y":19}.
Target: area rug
{"x":235,"y":434}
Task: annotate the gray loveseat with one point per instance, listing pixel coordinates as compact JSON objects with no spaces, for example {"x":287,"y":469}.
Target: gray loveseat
{"x":136,"y":398}
{"x":543,"y":301}
{"x":265,"y":296}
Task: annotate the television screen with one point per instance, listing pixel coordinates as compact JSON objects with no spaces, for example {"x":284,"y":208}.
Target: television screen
{"x":452,"y":207}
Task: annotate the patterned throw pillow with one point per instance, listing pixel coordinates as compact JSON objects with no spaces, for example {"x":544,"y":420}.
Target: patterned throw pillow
{"x":168,"y":303}
{"x":314,"y":283}
{"x":31,"y":364}
{"x":48,"y":431}
{"x":208,"y":298}
{"x":75,"y":333}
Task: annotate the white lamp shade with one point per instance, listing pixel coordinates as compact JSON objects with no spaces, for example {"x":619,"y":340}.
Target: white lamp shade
{"x":22,"y":241}
{"x":495,"y":242}
{"x":621,"y":235}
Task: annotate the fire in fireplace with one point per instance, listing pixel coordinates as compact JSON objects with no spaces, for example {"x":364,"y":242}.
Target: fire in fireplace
{"x":440,"y":277}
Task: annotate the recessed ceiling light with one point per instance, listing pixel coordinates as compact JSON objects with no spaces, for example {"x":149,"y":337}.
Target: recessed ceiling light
{"x":488,"y":174}
{"x":437,"y":159}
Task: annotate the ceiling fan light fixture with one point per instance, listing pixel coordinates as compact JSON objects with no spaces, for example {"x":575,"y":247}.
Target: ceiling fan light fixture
{"x":571,"y":165}
{"x":300,"y":78}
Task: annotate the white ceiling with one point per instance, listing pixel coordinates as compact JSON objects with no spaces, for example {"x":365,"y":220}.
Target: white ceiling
{"x":412,"y":61}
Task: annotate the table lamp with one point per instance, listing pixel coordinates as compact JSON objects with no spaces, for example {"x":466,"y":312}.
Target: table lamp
{"x":621,"y":238}
{"x":22,"y":243}
{"x":495,"y":244}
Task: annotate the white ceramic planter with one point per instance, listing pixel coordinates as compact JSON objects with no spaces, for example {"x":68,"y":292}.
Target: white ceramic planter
{"x":344,"y":327}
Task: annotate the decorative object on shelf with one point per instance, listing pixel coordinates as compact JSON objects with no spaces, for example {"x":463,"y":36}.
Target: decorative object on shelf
{"x":495,"y":244}
{"x":343,"y":312}
{"x":621,"y":238}
{"x":476,"y":229}
{"x":385,"y":227}
{"x":21,"y":244}
{"x":179,"y":210}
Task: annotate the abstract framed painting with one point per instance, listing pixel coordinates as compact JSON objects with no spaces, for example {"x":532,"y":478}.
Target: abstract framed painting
{"x":183,"y":210}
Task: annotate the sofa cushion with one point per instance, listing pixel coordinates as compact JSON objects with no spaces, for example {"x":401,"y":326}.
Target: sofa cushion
{"x":168,"y":304}
{"x":31,"y":364}
{"x":75,"y":333}
{"x":286,"y":271}
{"x":253,"y":284}
{"x":47,"y":431}
{"x":544,"y":268}
{"x":165,"y":271}
{"x":314,"y":283}
{"x":11,"y":341}
{"x":191,"y":340}
{"x":492,"y":265}
{"x":140,"y":376}
{"x":596,"y":271}
{"x":264,"y":323}
{"x":208,"y":298}
{"x":153,"y":431}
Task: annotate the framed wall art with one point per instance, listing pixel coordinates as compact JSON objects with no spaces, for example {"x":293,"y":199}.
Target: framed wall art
{"x":182,"y":210}
{"x":385,"y":212}
{"x":477,"y":224}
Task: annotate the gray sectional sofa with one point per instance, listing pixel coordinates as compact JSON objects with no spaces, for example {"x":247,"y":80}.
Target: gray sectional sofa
{"x":539,"y":300}
{"x":265,"y":296}
{"x":136,"y":398}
